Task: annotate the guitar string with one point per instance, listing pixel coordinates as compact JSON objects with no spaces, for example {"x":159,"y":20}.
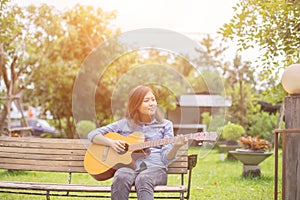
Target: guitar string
{"x":150,"y":143}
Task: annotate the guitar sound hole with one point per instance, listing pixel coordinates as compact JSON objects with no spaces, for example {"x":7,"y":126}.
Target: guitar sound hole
{"x":126,"y":149}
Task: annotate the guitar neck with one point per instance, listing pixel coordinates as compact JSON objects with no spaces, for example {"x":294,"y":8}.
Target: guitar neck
{"x":152,"y":143}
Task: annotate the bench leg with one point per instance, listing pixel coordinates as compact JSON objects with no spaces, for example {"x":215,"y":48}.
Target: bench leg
{"x":181,"y":195}
{"x":47,"y":195}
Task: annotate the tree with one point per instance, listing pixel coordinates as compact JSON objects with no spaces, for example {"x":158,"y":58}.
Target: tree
{"x":67,"y":38}
{"x":162,"y":70}
{"x":16,"y":64}
{"x":274,"y":27}
{"x":240,"y":86}
{"x":43,"y":49}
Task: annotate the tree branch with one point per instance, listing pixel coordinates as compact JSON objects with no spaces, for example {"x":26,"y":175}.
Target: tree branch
{"x":1,"y":58}
{"x":3,"y":69}
{"x":14,"y":76}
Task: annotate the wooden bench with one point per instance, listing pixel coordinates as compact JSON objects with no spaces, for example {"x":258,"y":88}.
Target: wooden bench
{"x":67,"y":155}
{"x":20,"y":131}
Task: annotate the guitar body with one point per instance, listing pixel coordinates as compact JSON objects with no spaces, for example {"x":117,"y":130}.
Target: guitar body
{"x":101,"y":162}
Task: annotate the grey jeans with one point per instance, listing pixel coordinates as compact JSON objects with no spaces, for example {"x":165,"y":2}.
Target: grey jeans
{"x":144,"y":182}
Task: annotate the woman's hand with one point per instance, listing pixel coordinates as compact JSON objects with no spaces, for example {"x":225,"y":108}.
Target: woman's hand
{"x":116,"y":145}
{"x":119,"y":145}
{"x":180,"y":140}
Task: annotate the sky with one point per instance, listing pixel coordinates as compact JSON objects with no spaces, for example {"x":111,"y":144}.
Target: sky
{"x":193,"y":18}
{"x":184,"y":16}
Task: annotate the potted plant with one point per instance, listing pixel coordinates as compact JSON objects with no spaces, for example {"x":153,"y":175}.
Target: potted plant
{"x":231,"y":132}
{"x":254,"y":144}
{"x":251,"y":154}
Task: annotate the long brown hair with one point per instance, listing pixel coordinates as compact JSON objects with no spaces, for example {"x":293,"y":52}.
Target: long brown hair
{"x":136,"y":98}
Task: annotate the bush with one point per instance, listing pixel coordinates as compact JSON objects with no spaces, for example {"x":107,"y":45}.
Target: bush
{"x":84,"y":127}
{"x":262,"y":124}
{"x":232,"y":132}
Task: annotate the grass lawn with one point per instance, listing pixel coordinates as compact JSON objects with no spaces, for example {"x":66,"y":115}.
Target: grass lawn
{"x":212,"y":179}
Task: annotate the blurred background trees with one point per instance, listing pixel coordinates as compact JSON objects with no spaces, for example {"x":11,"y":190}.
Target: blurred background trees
{"x":42,"y":49}
{"x":271,"y":27}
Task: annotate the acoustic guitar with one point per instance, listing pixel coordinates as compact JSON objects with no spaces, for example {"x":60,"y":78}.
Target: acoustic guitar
{"x":101,"y":162}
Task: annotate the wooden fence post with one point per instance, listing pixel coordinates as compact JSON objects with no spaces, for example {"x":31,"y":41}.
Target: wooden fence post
{"x":291,"y":150}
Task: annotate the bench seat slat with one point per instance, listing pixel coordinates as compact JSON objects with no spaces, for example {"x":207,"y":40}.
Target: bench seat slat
{"x":77,"y":188}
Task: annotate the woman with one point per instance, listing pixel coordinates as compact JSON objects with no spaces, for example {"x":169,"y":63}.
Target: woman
{"x":142,"y":116}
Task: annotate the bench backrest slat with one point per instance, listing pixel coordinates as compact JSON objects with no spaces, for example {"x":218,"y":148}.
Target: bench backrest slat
{"x":21,"y":155}
{"x":46,"y":168}
{"x":50,"y":143}
{"x":58,"y":155}
{"x":33,"y":150}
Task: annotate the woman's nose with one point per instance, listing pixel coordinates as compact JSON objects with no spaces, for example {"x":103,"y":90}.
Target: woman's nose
{"x":152,"y":103}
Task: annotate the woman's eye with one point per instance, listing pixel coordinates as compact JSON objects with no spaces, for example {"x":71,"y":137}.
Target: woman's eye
{"x":148,"y":100}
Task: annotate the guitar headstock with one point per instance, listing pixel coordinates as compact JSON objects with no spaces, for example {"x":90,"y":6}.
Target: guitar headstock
{"x":205,"y":136}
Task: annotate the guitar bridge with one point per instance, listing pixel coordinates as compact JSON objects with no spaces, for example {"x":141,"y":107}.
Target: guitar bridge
{"x":105,"y":153}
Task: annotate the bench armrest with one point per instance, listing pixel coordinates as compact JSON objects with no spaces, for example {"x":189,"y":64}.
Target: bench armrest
{"x":192,"y":161}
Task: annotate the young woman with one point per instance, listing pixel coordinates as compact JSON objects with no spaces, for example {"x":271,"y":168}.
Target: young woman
{"x":142,"y":116}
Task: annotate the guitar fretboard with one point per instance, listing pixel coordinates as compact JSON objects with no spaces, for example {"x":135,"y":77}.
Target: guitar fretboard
{"x":201,"y":136}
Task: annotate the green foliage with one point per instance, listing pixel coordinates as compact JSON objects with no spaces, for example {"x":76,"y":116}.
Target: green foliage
{"x":84,"y":127}
{"x":232,"y":132}
{"x":164,"y":81}
{"x":15,"y":66}
{"x":262,"y":125}
{"x":213,"y":123}
{"x":50,"y":135}
{"x":271,"y":26}
{"x":244,"y":104}
{"x":273,"y":94}
{"x":212,"y":52}
{"x":206,"y":118}
{"x":209,"y":81}
{"x":240,"y":88}
{"x":44,"y":42}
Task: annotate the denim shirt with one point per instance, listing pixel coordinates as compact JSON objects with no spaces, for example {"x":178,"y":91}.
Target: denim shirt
{"x":152,"y":131}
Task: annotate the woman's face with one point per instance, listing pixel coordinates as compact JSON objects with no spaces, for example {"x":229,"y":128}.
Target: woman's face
{"x":148,"y":106}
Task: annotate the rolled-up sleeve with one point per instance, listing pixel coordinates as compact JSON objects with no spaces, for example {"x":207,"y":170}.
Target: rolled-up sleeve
{"x":169,"y":133}
{"x":113,"y":127}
